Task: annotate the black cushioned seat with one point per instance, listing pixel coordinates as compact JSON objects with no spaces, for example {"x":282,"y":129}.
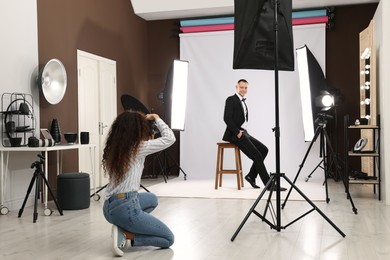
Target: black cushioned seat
{"x":73,"y":190}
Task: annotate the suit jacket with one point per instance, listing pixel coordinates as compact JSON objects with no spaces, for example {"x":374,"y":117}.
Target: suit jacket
{"x":234,"y":117}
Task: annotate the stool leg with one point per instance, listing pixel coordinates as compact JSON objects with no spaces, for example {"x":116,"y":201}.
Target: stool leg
{"x":236,"y":151}
{"x":217,"y":170}
{"x":240,"y":164}
{"x":221,"y":168}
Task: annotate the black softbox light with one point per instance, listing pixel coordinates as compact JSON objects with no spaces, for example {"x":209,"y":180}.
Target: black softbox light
{"x":311,"y":82}
{"x":254,"y":35}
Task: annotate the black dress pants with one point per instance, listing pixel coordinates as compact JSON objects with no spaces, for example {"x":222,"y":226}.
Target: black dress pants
{"x":257,"y":152}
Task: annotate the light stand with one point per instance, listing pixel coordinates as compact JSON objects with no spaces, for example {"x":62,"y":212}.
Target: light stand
{"x":174,"y":98}
{"x":326,"y":152}
{"x":275,"y":177}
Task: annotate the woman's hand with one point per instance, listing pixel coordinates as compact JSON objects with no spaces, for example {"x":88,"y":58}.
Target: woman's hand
{"x":152,"y":116}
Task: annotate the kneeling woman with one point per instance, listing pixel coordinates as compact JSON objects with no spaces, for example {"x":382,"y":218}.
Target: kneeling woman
{"x":129,"y":141}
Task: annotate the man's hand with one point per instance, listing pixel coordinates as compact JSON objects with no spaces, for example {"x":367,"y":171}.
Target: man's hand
{"x":240,"y":134}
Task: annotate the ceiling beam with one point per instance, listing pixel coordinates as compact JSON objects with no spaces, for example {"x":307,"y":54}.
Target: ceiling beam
{"x":179,"y":9}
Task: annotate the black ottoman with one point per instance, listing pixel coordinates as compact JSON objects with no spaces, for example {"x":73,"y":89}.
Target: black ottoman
{"x":73,"y":190}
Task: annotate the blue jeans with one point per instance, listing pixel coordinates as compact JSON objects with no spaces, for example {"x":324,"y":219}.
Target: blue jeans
{"x":132,"y":214}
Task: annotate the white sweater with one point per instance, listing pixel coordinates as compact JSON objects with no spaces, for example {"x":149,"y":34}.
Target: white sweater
{"x":132,"y":180}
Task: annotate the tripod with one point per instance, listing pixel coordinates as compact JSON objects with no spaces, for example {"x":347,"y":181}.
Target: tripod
{"x":324,"y":153}
{"x":38,"y":174}
{"x":164,"y":164}
{"x":275,"y":178}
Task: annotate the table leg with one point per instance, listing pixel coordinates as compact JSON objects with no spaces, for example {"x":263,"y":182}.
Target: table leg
{"x":45,"y":197}
{"x":92,"y":159}
{"x":3,"y":174}
{"x":2,"y":179}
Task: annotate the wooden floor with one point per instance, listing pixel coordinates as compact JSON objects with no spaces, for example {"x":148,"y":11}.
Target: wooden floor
{"x":204,"y":227}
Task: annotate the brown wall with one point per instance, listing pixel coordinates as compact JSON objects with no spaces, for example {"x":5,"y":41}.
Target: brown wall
{"x":143,"y":52}
{"x":342,"y":67}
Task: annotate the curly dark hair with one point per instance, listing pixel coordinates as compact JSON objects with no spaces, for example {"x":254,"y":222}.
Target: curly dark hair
{"x":127,"y":132}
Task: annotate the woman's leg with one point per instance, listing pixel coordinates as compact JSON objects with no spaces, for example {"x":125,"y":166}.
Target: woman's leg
{"x":148,"y":201}
{"x":148,"y":230}
{"x":128,"y":214}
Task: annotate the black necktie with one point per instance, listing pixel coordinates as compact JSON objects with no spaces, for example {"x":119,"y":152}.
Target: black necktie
{"x":246,"y":108}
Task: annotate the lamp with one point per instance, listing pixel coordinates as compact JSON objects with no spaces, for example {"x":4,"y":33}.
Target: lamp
{"x":52,"y":81}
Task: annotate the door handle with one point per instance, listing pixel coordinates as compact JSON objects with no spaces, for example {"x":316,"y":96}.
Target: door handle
{"x":101,"y":127}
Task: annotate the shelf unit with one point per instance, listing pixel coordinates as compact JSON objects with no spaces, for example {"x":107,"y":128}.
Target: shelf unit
{"x":372,"y":154}
{"x":17,"y":114}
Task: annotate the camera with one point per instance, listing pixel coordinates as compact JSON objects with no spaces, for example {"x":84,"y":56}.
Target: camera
{"x":35,"y":142}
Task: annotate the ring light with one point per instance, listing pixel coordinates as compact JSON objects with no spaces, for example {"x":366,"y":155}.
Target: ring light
{"x":360,"y":144}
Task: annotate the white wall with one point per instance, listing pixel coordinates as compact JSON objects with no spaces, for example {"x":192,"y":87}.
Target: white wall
{"x":382,"y":42}
{"x":212,"y":80}
{"x":18,"y":71}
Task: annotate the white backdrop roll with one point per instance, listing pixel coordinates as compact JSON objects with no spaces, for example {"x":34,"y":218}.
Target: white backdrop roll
{"x":212,"y":80}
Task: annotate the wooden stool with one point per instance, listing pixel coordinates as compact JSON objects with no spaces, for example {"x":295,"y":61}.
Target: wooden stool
{"x":220,"y":170}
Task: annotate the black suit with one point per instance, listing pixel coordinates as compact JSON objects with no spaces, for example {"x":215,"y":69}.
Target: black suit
{"x":234,"y":117}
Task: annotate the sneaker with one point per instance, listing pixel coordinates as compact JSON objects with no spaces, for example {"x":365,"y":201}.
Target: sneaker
{"x":128,"y":243}
{"x":118,"y":240}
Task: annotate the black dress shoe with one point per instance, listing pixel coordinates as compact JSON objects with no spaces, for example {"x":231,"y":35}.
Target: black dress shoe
{"x":251,"y":182}
{"x":274,"y":189}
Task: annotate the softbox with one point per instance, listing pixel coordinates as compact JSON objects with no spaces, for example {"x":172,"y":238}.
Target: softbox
{"x":254,"y":35}
{"x":311,"y":82}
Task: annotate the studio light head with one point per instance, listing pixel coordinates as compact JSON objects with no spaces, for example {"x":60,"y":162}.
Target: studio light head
{"x":325,"y":100}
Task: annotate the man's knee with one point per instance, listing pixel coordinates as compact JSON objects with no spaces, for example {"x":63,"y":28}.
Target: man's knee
{"x":265,"y":152}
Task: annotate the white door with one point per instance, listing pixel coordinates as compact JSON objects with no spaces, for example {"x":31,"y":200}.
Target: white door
{"x":97,"y":108}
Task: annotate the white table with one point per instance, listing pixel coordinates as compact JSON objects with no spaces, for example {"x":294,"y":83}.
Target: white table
{"x":4,"y":152}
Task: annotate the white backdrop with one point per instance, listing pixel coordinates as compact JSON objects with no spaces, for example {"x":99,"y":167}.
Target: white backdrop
{"x":212,"y":80}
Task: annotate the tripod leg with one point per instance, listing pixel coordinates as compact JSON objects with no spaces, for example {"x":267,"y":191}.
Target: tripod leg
{"x":163,"y":169}
{"x":252,"y":210}
{"x":37,"y":188}
{"x":51,"y":193}
{"x":314,"y":206}
{"x":269,"y":202}
{"x":318,"y":165}
{"x":346,"y":187}
{"x":176,"y":163}
{"x":99,"y":190}
{"x":143,"y":187}
{"x":318,"y":131}
{"x":27,"y":194}
{"x":324,"y":153}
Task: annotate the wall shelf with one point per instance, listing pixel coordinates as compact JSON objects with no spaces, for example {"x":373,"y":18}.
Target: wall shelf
{"x":373,"y":155}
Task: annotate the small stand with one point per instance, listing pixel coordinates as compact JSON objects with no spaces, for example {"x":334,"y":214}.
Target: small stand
{"x":38,"y":174}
